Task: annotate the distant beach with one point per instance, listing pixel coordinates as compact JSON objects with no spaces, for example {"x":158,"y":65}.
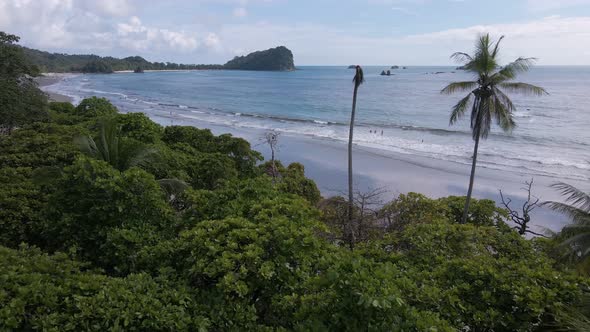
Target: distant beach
{"x":49,"y":79}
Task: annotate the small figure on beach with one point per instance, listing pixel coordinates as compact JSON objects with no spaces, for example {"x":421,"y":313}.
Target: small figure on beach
{"x":381,"y":132}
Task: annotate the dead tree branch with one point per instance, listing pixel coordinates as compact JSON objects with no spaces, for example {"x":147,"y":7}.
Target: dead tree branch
{"x":522,"y":219}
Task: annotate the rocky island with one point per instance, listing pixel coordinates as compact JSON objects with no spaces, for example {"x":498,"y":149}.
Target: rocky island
{"x":274,"y":59}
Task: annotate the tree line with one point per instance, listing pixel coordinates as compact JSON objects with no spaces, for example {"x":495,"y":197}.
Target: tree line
{"x":59,"y":63}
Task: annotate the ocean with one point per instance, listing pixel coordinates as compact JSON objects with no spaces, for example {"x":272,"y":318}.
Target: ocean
{"x":403,"y":113}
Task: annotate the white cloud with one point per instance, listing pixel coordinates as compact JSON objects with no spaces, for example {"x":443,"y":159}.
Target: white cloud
{"x":140,"y":37}
{"x":93,"y":26}
{"x":212,"y":41}
{"x":240,"y":12}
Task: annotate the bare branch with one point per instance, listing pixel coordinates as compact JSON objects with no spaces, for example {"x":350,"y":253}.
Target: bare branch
{"x":531,"y":202}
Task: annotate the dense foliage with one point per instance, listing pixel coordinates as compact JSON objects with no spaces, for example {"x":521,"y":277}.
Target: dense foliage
{"x":199,"y":236}
{"x":21,"y":101}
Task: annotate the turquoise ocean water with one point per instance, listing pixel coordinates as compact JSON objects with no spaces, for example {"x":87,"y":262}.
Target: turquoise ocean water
{"x":402,"y":113}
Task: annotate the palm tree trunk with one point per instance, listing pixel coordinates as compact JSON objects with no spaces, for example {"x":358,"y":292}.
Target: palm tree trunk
{"x":350,"y":231}
{"x":471,"y":178}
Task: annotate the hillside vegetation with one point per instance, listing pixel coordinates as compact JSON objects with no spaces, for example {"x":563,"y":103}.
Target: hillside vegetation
{"x":277,"y":59}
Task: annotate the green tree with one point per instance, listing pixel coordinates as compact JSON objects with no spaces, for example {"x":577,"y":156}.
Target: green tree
{"x":292,"y":180}
{"x":21,"y":205}
{"x":95,"y":107}
{"x":244,"y":268}
{"x":40,"y":144}
{"x":487,"y":100}
{"x":22,"y":101}
{"x":358,"y":79}
{"x":478,"y":278}
{"x":53,"y":293}
{"x":202,"y":140}
{"x":99,"y":211}
{"x":139,"y":127}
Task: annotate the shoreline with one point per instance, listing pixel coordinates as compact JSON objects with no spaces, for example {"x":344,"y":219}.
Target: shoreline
{"x":325,"y":163}
{"x":49,"y":79}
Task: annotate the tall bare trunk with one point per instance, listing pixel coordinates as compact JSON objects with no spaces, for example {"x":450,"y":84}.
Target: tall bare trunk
{"x":274,"y":167}
{"x":471,"y":178}
{"x":350,"y":229}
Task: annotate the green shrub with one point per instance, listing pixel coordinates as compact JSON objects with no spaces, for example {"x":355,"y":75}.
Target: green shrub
{"x":93,"y":200}
{"x":52,"y":293}
{"x":139,"y":127}
{"x":95,"y":107}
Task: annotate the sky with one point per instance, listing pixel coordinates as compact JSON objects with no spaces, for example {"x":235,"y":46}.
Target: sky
{"x":319,"y":32}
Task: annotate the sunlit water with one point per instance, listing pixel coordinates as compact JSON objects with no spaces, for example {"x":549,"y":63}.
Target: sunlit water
{"x":403,"y":113}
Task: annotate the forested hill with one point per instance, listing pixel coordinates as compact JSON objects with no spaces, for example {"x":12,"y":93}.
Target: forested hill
{"x":89,"y":63}
{"x":275,"y":59}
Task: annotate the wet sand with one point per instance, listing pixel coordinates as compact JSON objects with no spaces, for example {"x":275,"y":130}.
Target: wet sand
{"x":50,"y":79}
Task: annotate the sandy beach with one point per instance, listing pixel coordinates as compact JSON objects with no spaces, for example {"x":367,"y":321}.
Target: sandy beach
{"x":325,"y":162}
{"x":49,"y":79}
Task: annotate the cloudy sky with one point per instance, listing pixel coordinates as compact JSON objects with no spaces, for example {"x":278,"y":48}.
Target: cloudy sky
{"x":319,"y":32}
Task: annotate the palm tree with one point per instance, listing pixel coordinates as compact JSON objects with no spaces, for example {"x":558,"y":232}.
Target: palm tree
{"x":110,"y":146}
{"x":123,"y":153}
{"x":576,"y":206}
{"x":486,"y":97}
{"x":357,"y":80}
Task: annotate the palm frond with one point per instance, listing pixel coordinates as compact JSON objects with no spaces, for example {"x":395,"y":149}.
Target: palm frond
{"x":136,"y":155}
{"x":483,"y":62}
{"x":577,"y":215}
{"x":461,"y":57}
{"x":173,"y":187}
{"x":524,"y":88}
{"x":573,"y":195}
{"x":580,"y":240}
{"x":459,"y":86}
{"x":120,"y":152}
{"x":459,"y":109}
{"x":502,"y":111}
{"x":87,"y":145}
{"x":510,"y":71}
{"x":497,"y":47}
